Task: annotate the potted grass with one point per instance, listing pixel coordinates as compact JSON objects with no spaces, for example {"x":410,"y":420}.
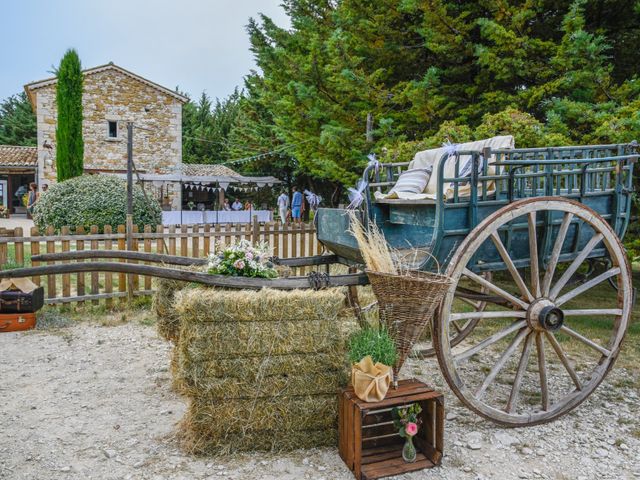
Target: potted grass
{"x":372,"y":354}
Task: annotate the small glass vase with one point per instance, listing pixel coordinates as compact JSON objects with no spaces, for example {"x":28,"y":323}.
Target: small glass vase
{"x":409,"y":452}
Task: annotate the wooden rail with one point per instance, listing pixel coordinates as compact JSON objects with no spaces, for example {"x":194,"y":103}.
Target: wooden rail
{"x":288,"y":283}
{"x":185,"y":245}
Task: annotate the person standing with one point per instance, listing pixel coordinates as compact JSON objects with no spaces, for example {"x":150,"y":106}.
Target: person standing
{"x":32,"y":198}
{"x":297,"y":204}
{"x":283,"y":206}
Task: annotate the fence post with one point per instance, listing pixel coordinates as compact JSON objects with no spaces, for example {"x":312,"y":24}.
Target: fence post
{"x":184,"y":241}
{"x":206,"y":241}
{"x":129,"y":236}
{"x":285,"y":240}
{"x":66,"y":278}
{"x":95,"y":276}
{"x":19,"y":245}
{"x":123,"y":279}
{"x":51,"y":279}
{"x":108,"y":277}
{"x":35,"y":250}
{"x":147,"y":249}
{"x":195,"y":241}
{"x":256,"y":230}
{"x":172,"y":240}
{"x":161,"y":246}
{"x":80,"y":276}
{"x":136,"y":278}
{"x":4,"y":247}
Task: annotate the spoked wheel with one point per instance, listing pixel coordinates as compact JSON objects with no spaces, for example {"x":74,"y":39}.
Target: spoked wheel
{"x":547,"y":343}
{"x":472,"y":299}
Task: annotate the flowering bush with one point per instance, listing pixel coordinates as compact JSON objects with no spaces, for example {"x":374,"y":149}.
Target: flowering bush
{"x":242,"y":259}
{"x":93,"y":200}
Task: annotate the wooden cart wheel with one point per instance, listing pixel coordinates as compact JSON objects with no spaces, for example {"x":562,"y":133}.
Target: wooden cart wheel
{"x":460,"y":328}
{"x":538,"y":353}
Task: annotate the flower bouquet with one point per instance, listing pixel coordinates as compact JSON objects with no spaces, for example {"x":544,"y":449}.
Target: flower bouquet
{"x":407,"y":421}
{"x":242,"y":259}
{"x":4,"y":212}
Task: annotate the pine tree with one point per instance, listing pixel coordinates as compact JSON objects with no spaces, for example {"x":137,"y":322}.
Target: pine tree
{"x":17,"y":121}
{"x":69,"y":142}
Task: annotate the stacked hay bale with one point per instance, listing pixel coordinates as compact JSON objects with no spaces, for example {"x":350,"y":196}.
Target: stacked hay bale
{"x":168,"y":319}
{"x":261,"y":368}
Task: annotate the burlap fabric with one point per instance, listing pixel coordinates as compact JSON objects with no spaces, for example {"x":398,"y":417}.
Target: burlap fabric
{"x":371,"y":381}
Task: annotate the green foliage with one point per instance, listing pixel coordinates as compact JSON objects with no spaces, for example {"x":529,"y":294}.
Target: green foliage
{"x":93,"y":200}
{"x":11,"y":264}
{"x":69,"y":142}
{"x":206,"y":127}
{"x":547,"y":72}
{"x":375,"y":342}
{"x":17,"y":121}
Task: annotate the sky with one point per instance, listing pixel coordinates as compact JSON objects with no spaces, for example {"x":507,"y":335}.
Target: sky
{"x":197,"y":45}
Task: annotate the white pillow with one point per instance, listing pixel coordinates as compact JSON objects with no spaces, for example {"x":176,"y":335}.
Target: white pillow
{"x":412,"y":181}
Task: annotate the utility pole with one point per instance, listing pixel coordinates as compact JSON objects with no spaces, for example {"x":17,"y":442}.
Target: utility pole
{"x":129,"y":168}
{"x":369,"y":128}
{"x":129,"y":225}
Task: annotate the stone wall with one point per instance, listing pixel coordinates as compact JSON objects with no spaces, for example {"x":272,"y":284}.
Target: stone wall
{"x":111,"y":95}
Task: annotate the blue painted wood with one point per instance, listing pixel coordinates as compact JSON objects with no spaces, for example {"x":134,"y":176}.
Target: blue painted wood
{"x":599,"y":176}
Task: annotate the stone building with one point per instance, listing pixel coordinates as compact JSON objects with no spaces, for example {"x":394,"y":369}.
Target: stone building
{"x":113,"y":96}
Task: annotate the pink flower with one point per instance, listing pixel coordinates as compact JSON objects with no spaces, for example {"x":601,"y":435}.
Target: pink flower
{"x":411,"y":429}
{"x":248,"y":256}
{"x":239,"y":264}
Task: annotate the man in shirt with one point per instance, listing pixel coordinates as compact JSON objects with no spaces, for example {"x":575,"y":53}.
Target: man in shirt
{"x":236,"y":205}
{"x":296,"y":205}
{"x":283,"y":206}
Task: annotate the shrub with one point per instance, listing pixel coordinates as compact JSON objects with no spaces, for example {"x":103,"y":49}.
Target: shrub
{"x":93,"y":200}
{"x":375,"y":342}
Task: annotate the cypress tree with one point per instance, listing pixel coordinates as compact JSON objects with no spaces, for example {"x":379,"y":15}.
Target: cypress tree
{"x":69,"y":142}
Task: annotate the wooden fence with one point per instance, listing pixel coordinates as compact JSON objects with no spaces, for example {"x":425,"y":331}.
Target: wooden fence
{"x":197,"y":241}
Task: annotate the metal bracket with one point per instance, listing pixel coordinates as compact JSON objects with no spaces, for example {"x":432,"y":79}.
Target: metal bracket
{"x":318,"y":280}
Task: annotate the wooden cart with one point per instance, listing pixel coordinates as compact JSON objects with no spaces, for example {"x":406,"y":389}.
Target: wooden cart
{"x":536,"y":230}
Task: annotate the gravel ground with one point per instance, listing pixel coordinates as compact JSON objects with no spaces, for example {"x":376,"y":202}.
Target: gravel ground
{"x":94,"y":402}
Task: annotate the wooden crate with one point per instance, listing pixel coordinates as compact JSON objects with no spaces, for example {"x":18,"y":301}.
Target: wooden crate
{"x":369,"y":443}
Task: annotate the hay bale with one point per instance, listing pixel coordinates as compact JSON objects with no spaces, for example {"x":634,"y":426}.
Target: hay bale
{"x":273,"y":386}
{"x":261,"y":367}
{"x":260,"y":424}
{"x":266,"y":305}
{"x":168,"y":319}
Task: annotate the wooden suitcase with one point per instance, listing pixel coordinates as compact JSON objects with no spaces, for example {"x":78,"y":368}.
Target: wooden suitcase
{"x":15,"y":301}
{"x":14,"y":322}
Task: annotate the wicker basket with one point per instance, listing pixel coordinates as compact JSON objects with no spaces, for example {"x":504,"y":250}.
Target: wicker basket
{"x":406,"y":304}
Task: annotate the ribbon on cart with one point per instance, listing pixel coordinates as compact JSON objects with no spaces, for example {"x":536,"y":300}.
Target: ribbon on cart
{"x":313,"y":199}
{"x":373,"y":162}
{"x":355,"y":194}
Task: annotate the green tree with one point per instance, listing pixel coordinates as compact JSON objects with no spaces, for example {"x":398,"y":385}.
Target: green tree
{"x":17,"y":121}
{"x":547,"y":71}
{"x":206,"y":127}
{"x":69,"y":142}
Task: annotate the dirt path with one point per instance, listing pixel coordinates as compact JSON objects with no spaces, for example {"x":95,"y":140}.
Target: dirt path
{"x":93,"y":402}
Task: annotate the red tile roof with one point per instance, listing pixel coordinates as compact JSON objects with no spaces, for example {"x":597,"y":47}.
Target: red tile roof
{"x":12,"y":156}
